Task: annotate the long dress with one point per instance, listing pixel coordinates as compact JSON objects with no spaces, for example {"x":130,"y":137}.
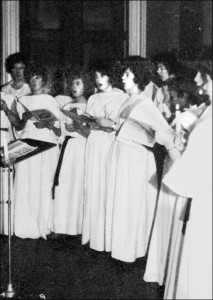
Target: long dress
{"x":68,"y":202}
{"x":190,"y":276}
{"x":167,"y":220}
{"x":131,"y":195}
{"x":98,"y":144}
{"x":34,"y":176}
{"x":5,"y":131}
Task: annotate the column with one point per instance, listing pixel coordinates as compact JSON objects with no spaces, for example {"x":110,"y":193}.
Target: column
{"x":10,"y":33}
{"x":137,"y":27}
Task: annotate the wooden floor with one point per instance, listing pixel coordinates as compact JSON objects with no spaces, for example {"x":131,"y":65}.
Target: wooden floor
{"x":61,"y":268}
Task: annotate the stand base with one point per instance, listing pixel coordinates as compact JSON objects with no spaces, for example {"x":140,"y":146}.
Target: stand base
{"x":9,"y":293}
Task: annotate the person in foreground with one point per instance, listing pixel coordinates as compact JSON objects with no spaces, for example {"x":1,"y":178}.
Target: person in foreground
{"x":190,"y":274}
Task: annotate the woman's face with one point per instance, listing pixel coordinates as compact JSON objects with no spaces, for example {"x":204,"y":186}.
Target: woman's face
{"x":17,"y":72}
{"x":162,"y":72}
{"x":77,"y":88}
{"x":102,"y":82}
{"x":36,"y":84}
{"x":128,"y":80}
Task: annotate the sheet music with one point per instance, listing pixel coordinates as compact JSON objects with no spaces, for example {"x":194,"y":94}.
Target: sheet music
{"x":137,"y":132}
{"x":19,"y":148}
{"x":43,"y":114}
{"x":143,"y":121}
{"x":83,"y":118}
{"x":147,"y":113}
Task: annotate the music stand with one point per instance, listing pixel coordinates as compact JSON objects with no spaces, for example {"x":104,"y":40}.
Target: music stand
{"x":18,"y":150}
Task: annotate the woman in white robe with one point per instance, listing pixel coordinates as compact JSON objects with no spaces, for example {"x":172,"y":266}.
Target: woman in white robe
{"x":190,"y":263}
{"x":130,"y":197}
{"x":69,"y":191}
{"x":102,"y":105}
{"x":34,"y":176}
{"x":169,"y":206}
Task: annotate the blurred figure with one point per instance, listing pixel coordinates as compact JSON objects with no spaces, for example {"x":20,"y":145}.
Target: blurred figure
{"x":167,"y":68}
{"x":190,"y":264}
{"x":182,"y":93}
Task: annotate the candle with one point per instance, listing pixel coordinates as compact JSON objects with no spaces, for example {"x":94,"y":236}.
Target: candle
{"x":177,"y":116}
{"x":6,"y":156}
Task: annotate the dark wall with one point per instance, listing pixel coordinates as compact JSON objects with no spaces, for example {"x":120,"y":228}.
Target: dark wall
{"x":182,"y":25}
{"x":63,"y":33}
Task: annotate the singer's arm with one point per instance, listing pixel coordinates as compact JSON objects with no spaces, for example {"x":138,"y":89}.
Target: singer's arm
{"x":167,"y":140}
{"x":12,"y":116}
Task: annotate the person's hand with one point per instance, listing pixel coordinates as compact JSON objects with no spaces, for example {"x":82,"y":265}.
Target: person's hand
{"x":3,"y":105}
{"x":180,"y":140}
{"x":164,"y":138}
{"x":49,"y":124}
{"x":95,"y":126}
{"x":40,"y":124}
{"x":26,"y":116}
{"x":70,"y":127}
{"x":104,"y":122}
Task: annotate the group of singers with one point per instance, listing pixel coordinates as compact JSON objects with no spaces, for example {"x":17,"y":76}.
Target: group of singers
{"x":131,"y":168}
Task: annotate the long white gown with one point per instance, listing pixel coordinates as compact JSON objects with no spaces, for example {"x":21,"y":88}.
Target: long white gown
{"x":98,"y":144}
{"x":6,"y":133}
{"x":190,"y":277}
{"x":34,"y":176}
{"x":68,"y":202}
{"x":131,"y":196}
{"x":166,"y":223}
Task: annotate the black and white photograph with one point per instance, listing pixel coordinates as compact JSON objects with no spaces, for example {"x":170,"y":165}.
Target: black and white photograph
{"x":106,"y":149}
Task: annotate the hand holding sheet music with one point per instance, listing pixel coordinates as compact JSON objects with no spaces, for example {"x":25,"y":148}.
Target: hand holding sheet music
{"x":144,"y":120}
{"x":83,"y":118}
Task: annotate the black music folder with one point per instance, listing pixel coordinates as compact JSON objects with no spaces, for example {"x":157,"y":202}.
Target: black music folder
{"x":22,"y":149}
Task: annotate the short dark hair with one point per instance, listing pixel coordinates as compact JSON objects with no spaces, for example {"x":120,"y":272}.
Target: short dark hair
{"x":140,"y":67}
{"x":13,"y":59}
{"x":33,"y":69}
{"x":110,"y":68}
{"x":184,"y":86}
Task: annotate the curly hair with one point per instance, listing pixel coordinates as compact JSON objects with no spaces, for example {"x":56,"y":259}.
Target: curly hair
{"x":33,"y":69}
{"x":184,"y":87}
{"x":79,"y":73}
{"x":140,"y":67}
{"x":169,"y":60}
{"x":13,"y":59}
{"x":110,"y":68}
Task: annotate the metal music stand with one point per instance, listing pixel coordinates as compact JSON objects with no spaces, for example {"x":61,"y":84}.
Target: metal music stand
{"x":33,"y":147}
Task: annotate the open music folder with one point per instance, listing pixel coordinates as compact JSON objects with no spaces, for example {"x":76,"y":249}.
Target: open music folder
{"x":22,"y":149}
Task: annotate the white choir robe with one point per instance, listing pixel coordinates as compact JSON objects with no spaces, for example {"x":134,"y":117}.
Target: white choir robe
{"x":97,"y":147}
{"x":68,"y":202}
{"x":131,"y":196}
{"x":34,"y":176}
{"x":190,"y":270}
{"x":167,"y":224}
